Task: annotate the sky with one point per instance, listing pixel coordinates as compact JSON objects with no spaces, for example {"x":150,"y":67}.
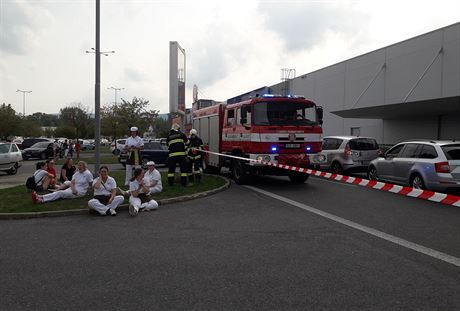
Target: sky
{"x":232,"y":46}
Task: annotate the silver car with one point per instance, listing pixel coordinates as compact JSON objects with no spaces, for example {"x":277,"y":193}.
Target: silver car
{"x":347,"y":153}
{"x":10,"y":158}
{"x":433,"y":165}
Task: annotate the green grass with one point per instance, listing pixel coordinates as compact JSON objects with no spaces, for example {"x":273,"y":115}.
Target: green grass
{"x":18,"y":199}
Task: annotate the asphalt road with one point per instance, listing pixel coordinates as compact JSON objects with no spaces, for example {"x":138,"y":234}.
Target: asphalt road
{"x":239,"y":250}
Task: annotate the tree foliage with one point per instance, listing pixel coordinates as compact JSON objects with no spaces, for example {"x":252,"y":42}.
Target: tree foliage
{"x":75,"y":117}
{"x":10,"y":122}
{"x":117,"y":119}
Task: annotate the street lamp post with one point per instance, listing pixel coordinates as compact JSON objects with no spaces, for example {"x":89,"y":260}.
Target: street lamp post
{"x":23,"y":100}
{"x":115,"y":89}
{"x":97,"y":92}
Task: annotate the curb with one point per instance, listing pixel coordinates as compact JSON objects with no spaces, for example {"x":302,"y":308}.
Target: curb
{"x":122,"y":207}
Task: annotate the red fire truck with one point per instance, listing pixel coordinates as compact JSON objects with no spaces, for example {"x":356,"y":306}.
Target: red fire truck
{"x":271,"y":128}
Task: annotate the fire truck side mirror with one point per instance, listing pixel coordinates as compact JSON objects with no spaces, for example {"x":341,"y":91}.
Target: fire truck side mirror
{"x":319,"y":113}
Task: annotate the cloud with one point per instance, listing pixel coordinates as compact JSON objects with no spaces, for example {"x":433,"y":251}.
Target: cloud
{"x":22,"y":25}
{"x":302,"y":25}
{"x":133,"y":74}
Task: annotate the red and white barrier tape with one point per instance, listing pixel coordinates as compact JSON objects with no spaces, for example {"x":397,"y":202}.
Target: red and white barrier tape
{"x":443,"y":198}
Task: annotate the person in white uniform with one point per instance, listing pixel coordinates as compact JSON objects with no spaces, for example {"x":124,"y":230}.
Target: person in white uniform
{"x":105,"y":200}
{"x":140,"y":196}
{"x":152,"y":178}
{"x":133,"y":146}
{"x":79,"y":185}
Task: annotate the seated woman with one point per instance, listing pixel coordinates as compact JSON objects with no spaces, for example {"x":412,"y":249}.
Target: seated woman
{"x":42,"y":177}
{"x":79,"y":185}
{"x":51,"y":169}
{"x":140,"y":194}
{"x":105,"y":200}
{"x":152,"y":178}
{"x":67,"y":171}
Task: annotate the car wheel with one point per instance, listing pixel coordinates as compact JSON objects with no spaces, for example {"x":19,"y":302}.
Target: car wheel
{"x":43,"y":156}
{"x":336,"y":168}
{"x":298,"y":178}
{"x":13,"y":170}
{"x":372,"y":173}
{"x":239,"y":173}
{"x":116,"y":152}
{"x":416,"y":182}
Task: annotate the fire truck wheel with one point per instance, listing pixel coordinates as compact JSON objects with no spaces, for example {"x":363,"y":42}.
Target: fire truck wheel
{"x":238,"y":172}
{"x":298,"y":178}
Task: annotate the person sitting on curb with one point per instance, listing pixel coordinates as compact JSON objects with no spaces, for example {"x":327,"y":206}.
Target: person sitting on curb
{"x":42,"y":177}
{"x":67,"y":171}
{"x":105,"y":200}
{"x":51,"y":169}
{"x":79,"y":185}
{"x":152,"y":178}
{"x":140,"y":195}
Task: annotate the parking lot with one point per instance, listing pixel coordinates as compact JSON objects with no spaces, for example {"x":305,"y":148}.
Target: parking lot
{"x":256,"y":247}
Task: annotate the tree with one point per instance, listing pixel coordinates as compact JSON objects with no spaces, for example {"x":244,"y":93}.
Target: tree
{"x":117,"y":119}
{"x":75,"y":117}
{"x":161,"y":127}
{"x":10,"y":122}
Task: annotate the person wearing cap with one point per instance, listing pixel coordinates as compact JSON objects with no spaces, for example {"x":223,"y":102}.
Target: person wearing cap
{"x":194,"y":156}
{"x":133,"y":146}
{"x":176,"y":142}
{"x":152,"y":178}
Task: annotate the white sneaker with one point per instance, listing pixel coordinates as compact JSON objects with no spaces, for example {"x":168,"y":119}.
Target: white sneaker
{"x":133,"y":210}
{"x":113,"y":212}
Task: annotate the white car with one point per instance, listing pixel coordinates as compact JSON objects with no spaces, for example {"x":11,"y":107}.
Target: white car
{"x":10,"y":158}
{"x":120,"y":145}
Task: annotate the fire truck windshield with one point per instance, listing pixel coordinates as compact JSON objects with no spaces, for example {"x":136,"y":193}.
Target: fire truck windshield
{"x":284,"y":113}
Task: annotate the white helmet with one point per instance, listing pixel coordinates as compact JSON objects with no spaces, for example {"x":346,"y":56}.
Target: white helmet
{"x":193,"y":132}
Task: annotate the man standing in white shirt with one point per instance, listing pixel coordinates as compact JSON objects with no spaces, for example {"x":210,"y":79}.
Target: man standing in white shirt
{"x":105,"y":200}
{"x":133,"y":146}
{"x":152,"y":178}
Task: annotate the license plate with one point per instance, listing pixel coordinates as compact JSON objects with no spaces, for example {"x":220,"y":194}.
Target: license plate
{"x":292,"y":145}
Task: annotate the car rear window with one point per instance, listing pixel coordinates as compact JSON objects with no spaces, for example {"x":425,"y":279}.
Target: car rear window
{"x":452,"y":152}
{"x":4,"y":148}
{"x":363,"y":144}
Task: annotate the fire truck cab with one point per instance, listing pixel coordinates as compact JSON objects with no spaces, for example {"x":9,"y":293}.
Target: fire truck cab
{"x":271,"y":128}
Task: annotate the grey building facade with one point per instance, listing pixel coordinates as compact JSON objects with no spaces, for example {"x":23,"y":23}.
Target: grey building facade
{"x":408,"y":90}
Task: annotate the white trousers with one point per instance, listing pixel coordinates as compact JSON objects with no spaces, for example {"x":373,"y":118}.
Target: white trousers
{"x":136,"y":202}
{"x":62,"y":194}
{"x":129,"y":172}
{"x":101,"y":208}
{"x":156,"y":189}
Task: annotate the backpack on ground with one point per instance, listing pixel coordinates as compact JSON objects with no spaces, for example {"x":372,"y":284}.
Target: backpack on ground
{"x":31,"y":184}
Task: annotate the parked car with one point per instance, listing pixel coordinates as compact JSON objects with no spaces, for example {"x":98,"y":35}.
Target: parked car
{"x":42,"y":150}
{"x":120,"y":144}
{"x":347,"y":153}
{"x":153,"y":151}
{"x":10,"y":158}
{"x":431,"y":164}
{"x":28,"y":142}
{"x":87,"y":145}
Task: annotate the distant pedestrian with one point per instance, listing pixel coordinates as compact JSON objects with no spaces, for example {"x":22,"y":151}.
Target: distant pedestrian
{"x":134,"y":144}
{"x":105,"y":200}
{"x":65,"y":147}
{"x":78,"y":148}
{"x":140,"y":198}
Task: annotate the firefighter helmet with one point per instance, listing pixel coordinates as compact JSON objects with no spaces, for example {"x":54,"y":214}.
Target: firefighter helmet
{"x":193,"y":132}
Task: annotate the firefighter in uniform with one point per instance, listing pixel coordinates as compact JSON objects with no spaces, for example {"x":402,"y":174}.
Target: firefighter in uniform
{"x":133,"y":145}
{"x":194,"y":156}
{"x":177,"y":142}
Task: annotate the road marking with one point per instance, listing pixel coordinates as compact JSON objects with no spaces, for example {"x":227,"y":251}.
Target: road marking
{"x":379,"y":234}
